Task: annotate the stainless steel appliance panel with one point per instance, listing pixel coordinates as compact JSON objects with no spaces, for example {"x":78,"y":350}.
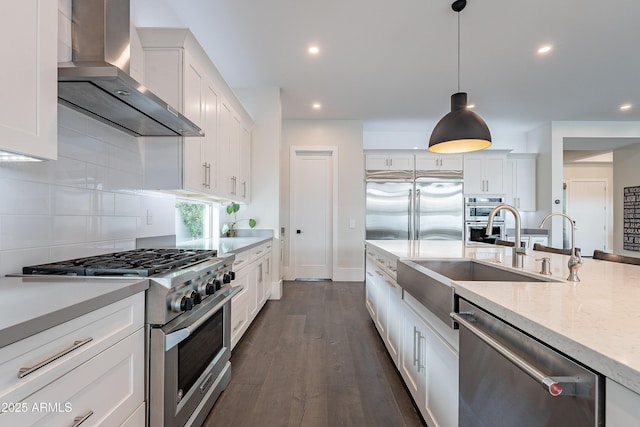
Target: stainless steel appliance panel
{"x":189,"y":362}
{"x":438,"y":209}
{"x":477,"y":232}
{"x":478,"y":208}
{"x":389,"y":210}
{"x":508,"y":378}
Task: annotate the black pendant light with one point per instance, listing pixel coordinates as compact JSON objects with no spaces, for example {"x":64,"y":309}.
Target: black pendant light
{"x":461,"y":130}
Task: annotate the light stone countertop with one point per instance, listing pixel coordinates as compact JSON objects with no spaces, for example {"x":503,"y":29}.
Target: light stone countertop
{"x":595,"y":321}
{"x":33,"y":304}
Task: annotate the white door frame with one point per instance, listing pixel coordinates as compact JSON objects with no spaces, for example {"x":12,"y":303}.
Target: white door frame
{"x":333,"y":151}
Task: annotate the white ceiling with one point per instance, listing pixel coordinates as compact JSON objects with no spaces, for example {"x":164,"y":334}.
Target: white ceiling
{"x":392,"y":64}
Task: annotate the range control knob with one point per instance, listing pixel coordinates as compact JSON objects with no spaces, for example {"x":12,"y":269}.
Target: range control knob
{"x":211,"y":287}
{"x":186,"y":303}
{"x":181,"y":303}
{"x":217,"y":284}
{"x":195,"y":297}
{"x":226,"y":278}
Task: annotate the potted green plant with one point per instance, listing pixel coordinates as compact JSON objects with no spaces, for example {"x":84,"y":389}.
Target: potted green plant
{"x":228,"y":228}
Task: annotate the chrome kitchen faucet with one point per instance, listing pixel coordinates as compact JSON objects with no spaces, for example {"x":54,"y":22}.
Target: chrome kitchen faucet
{"x":575,"y":261}
{"x":518,"y":251}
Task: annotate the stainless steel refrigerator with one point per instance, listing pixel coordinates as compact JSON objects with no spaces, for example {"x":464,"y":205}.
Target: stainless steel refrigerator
{"x":401,"y":207}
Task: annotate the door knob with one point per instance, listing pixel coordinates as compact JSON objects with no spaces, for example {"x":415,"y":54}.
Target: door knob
{"x":298,"y":232}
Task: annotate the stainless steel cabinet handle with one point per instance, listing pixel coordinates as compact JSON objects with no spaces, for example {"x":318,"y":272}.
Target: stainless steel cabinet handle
{"x":204,"y":174}
{"x":82,"y":418}
{"x":244,"y":188}
{"x":421,"y":365}
{"x":415,"y":346}
{"x":208,"y":175}
{"x":23,"y":372}
{"x":556,"y":386}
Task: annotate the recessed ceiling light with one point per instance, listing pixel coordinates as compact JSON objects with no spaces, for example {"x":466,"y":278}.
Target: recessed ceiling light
{"x":544,"y":49}
{"x":314,"y":50}
{"x":625,"y":107}
{"x":316,"y":106}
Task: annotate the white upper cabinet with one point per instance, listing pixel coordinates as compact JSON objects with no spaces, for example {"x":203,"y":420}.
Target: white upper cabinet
{"x":520,"y":182}
{"x":389,"y":161}
{"x":178,"y":70}
{"x":29,"y":95}
{"x":438,"y":162}
{"x":484,"y":173}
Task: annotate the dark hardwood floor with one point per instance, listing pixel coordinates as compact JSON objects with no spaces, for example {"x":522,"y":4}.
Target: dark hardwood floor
{"x":314,"y":358}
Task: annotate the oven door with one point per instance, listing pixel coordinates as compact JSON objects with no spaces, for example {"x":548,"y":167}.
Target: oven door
{"x":189,"y":362}
{"x":477,"y":232}
{"x":481,"y":211}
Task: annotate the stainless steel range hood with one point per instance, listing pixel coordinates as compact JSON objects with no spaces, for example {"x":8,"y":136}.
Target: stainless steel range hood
{"x":97,"y":81}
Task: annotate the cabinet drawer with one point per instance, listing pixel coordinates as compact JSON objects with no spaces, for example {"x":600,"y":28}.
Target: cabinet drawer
{"x":98,"y":330}
{"x":106,"y":390}
{"x":239,"y":315}
{"x":245,"y":258}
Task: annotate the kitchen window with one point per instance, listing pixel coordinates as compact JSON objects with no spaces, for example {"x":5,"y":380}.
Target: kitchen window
{"x":194,"y":222}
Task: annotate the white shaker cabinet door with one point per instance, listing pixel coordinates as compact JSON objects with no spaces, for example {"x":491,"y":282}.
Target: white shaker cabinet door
{"x":29,"y":94}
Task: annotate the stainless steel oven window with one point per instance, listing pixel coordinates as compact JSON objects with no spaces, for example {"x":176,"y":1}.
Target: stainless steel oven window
{"x":198,"y":351}
{"x":476,"y":232}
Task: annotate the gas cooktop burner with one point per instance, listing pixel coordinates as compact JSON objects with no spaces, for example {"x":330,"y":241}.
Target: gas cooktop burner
{"x":137,"y":262}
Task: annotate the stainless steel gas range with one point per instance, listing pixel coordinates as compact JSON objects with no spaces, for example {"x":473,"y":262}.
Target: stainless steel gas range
{"x":188,"y":324}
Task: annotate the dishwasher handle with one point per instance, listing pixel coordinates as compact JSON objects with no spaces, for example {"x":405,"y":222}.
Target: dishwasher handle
{"x":556,"y":386}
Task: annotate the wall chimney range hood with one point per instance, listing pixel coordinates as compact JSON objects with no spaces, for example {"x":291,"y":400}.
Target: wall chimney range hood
{"x":97,"y":81}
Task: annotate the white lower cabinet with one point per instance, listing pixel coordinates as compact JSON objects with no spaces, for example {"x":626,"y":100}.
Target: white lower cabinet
{"x":429,"y":366}
{"x":105,"y":390}
{"x":413,"y":356}
{"x":253,"y":272}
{"x":622,"y":406}
{"x":424,"y":348}
{"x":383,"y":301}
{"x":98,"y":374}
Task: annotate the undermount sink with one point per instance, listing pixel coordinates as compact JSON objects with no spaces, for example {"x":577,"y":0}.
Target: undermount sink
{"x":429,"y":280}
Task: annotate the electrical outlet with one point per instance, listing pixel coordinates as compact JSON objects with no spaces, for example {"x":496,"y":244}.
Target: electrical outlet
{"x":149,"y":217}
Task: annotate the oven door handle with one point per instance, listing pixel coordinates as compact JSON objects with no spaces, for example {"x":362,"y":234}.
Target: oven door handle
{"x":556,"y":386}
{"x":174,"y":338}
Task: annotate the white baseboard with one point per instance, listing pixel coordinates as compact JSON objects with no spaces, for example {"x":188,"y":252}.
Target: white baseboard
{"x":348,"y":275}
{"x":276,"y":290}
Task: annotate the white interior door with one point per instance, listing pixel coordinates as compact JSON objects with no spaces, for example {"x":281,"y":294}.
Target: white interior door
{"x":587,"y":205}
{"x":312,"y":214}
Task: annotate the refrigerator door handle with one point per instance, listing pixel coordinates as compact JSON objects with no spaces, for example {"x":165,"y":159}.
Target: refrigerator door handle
{"x":417,"y":215}
{"x":409,"y":228}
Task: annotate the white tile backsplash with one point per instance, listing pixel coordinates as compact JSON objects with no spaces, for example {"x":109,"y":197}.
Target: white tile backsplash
{"x":87,"y":202}
{"x":24,"y":197}
{"x":71,"y":201}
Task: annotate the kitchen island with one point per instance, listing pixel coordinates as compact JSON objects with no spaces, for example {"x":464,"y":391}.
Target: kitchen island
{"x":592,"y":321}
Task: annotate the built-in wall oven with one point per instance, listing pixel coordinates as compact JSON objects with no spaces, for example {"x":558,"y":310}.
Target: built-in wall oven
{"x":476,"y":215}
{"x":508,"y":378}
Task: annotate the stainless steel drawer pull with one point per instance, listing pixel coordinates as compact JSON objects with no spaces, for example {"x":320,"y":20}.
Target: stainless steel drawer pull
{"x":23,"y":372}
{"x":556,"y":386}
{"x":82,"y":418}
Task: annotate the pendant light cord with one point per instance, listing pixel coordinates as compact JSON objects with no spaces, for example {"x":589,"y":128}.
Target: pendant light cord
{"x":458,"y":51}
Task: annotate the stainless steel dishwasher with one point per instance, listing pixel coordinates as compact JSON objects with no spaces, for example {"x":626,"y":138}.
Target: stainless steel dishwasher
{"x":508,"y":378}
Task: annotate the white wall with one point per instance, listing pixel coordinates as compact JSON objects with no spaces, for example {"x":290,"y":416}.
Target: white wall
{"x":346,"y":135}
{"x":264,"y":106}
{"x":613,"y":129}
{"x":626,"y":162}
{"x":375,"y":137}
